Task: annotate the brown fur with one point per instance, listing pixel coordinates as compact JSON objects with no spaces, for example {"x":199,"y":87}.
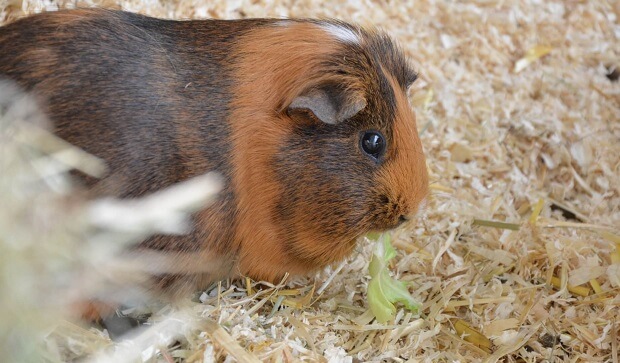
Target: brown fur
{"x":290,"y":61}
{"x":163,"y":101}
{"x":92,"y":310}
{"x":406,"y":172}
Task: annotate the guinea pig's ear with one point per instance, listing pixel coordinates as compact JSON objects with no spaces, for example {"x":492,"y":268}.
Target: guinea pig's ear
{"x":329,"y":103}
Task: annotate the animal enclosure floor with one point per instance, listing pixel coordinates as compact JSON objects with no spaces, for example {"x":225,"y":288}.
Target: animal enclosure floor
{"x":518,"y":108}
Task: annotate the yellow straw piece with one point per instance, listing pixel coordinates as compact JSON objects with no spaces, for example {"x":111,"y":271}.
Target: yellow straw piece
{"x":441,"y":188}
{"x":576,"y":290}
{"x":596,"y":286}
{"x":532,"y":55}
{"x":473,"y":336}
{"x":610,"y":237}
{"x":466,"y":302}
{"x":296,"y":303}
{"x":615,"y":255}
{"x":248,"y":286}
{"x":536,"y":210}
{"x":496,"y":224}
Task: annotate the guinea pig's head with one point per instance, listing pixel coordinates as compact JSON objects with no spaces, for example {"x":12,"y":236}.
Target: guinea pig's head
{"x":340,"y":150}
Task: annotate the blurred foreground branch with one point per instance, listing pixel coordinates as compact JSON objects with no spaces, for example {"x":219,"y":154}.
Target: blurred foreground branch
{"x":49,"y":241}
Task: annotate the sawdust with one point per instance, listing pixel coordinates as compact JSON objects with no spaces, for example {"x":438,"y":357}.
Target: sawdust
{"x":519,"y":114}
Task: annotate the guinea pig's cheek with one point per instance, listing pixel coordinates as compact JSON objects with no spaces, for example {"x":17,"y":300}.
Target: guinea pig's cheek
{"x":405,"y":175}
{"x":381,"y":213}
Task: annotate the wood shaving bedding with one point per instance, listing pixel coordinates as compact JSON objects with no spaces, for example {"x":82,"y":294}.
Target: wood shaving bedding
{"x":519,"y":115}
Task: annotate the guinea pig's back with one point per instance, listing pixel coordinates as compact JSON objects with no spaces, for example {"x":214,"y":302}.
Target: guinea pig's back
{"x":138,"y":86}
{"x":151,"y":97}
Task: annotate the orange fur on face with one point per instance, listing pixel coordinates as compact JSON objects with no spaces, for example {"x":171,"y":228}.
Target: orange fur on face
{"x":405,"y":173}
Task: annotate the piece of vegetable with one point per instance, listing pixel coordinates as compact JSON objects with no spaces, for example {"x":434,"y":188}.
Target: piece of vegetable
{"x":383,"y":290}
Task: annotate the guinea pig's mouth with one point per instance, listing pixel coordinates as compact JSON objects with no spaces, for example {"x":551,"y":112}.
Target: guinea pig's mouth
{"x":388,"y":224}
{"x":399,"y":222}
{"x":404,"y":219}
{"x":393,"y":220}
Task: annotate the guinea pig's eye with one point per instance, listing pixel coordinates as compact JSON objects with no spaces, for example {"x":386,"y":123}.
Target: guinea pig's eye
{"x":373,"y":144}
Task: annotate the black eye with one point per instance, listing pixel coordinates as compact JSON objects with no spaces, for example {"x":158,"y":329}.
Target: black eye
{"x":373,"y":144}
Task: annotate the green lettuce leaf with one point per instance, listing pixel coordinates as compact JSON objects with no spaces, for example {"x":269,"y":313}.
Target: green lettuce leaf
{"x":383,"y":291}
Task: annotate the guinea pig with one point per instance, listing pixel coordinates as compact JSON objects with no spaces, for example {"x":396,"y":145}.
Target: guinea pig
{"x":307,"y":121}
